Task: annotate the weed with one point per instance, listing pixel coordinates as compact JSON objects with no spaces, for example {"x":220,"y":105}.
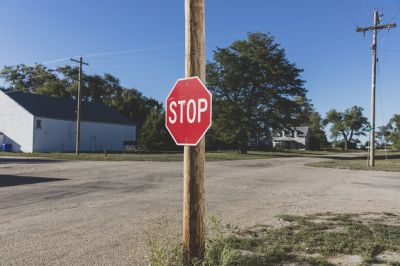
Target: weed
{"x":163,"y":247}
{"x":307,"y":240}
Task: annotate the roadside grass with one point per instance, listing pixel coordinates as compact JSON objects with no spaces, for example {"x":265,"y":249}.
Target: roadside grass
{"x":320,"y":239}
{"x":168,"y":157}
{"x":341,"y":160}
{"x":99,"y":156}
{"x":357,"y":163}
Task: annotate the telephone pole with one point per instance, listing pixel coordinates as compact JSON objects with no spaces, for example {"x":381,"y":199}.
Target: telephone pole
{"x":78,"y":109}
{"x":194,"y":156}
{"x":377,"y":26}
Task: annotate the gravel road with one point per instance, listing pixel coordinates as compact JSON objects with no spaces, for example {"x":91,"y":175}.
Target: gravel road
{"x":93,"y":213}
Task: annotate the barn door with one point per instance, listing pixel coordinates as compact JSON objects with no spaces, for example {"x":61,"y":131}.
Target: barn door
{"x":93,"y":144}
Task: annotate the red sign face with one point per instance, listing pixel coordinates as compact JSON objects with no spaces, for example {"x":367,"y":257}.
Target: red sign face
{"x":188,"y":111}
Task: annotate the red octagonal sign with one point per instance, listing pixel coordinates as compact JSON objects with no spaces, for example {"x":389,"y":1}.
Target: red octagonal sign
{"x":188,"y":111}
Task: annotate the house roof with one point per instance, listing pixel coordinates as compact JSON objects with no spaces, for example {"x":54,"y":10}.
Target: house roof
{"x":64,"y":109}
{"x":303,"y":130}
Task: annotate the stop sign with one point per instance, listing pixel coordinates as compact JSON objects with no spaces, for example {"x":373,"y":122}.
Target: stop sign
{"x":188,"y":111}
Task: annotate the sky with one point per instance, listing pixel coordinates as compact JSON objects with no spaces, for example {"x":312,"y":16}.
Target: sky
{"x":142,"y":42}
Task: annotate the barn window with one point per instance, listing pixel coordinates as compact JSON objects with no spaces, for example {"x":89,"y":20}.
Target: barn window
{"x":38,"y":124}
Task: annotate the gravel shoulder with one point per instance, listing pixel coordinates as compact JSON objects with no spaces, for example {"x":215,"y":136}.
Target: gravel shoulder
{"x":85,"y":212}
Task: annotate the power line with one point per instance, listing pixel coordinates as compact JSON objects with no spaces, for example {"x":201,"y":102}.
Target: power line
{"x":47,"y":74}
{"x":134,"y":50}
{"x":132,"y":58}
{"x":27,"y":88}
{"x":118,"y":52}
{"x":56,"y":61}
{"x":380,"y":88}
{"x":133,"y":65}
{"x":19,"y":68}
{"x":362,"y":14}
{"x":27,"y":69}
{"x":8,"y":91}
{"x":395,"y":16}
{"x":348,"y":12}
{"x":108,"y":53}
{"x":144,"y":49}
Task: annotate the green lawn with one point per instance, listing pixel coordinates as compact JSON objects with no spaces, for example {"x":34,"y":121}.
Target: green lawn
{"x":166,"y":157}
{"x":360,"y":163}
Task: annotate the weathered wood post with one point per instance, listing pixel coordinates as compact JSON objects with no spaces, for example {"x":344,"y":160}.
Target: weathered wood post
{"x":194,"y":156}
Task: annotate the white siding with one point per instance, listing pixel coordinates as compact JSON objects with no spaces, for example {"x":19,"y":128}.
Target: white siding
{"x":54,"y":135}
{"x":16,"y":124}
{"x":101,"y":136}
{"x":59,"y":136}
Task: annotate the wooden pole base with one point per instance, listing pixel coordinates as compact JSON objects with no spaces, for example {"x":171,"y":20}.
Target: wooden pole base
{"x":194,"y":202}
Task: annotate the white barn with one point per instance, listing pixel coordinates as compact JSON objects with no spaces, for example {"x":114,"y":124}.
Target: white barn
{"x":37,"y":123}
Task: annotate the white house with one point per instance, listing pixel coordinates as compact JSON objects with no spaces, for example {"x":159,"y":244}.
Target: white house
{"x":297,"y":138}
{"x":37,"y":123}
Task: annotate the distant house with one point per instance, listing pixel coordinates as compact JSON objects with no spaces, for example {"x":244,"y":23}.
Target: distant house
{"x":296,"y":138}
{"x":36,"y":123}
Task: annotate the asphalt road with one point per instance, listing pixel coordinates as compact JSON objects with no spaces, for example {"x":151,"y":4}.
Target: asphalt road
{"x":95,"y":213}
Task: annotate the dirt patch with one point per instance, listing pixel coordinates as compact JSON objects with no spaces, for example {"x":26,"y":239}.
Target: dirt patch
{"x":346,"y":260}
{"x":390,"y":257}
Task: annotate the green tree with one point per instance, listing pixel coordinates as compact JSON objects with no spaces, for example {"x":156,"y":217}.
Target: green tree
{"x":383,"y":134}
{"x":33,"y":79}
{"x":318,"y":138}
{"x":255,"y":88}
{"x":69,"y":76}
{"x":394,"y":131}
{"x":153,"y":136}
{"x":134,"y":105}
{"x":63,"y":82}
{"x":347,"y":125}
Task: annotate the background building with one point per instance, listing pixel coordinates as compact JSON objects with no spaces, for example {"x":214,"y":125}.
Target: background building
{"x":297,"y":138}
{"x":36,"y":123}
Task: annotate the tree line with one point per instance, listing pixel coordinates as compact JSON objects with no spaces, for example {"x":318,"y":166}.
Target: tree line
{"x":255,"y":88}
{"x":105,"y":89}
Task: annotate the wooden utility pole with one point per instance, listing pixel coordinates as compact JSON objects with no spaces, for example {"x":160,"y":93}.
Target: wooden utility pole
{"x":374,"y":29}
{"x":78,"y":108}
{"x":194,"y":156}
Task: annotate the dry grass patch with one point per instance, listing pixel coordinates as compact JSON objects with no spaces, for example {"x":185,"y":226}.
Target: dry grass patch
{"x":381,"y":164}
{"x":321,"y":239}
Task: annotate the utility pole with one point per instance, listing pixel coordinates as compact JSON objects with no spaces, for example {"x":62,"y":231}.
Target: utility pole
{"x":194,"y":156}
{"x":377,"y":26}
{"x":78,"y":109}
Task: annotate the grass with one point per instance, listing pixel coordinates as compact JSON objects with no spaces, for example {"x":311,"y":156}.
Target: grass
{"x":166,"y":157}
{"x":354,"y":163}
{"x":360,"y":163}
{"x":321,"y":239}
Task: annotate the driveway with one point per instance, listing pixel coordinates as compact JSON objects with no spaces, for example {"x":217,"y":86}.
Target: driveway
{"x":82,"y":212}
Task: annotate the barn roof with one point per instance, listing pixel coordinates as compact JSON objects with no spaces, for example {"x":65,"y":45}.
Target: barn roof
{"x":64,"y":109}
